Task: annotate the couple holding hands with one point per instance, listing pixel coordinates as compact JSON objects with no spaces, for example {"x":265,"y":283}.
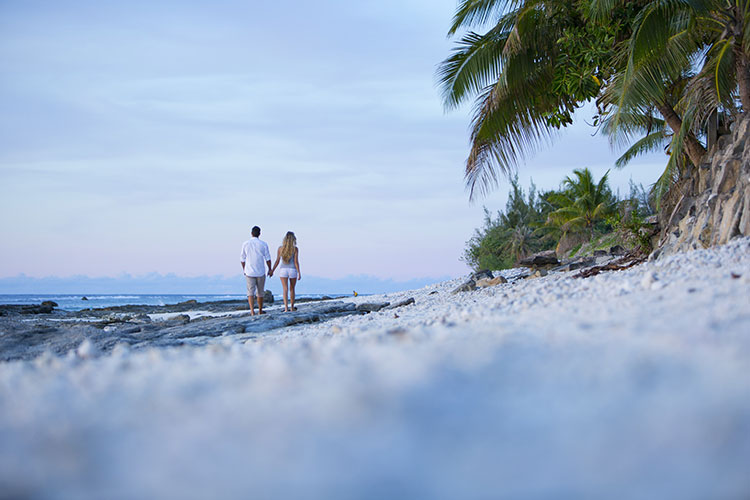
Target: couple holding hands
{"x":255,"y":253}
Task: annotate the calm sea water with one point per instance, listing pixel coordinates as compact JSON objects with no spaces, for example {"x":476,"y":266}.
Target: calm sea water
{"x":69,"y":302}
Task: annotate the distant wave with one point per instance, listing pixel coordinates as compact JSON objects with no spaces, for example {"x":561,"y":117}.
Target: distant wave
{"x":111,"y":297}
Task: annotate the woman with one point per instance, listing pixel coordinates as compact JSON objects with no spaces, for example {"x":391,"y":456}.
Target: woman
{"x":289,"y":272}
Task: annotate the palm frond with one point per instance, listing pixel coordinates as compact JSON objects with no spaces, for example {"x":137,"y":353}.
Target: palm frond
{"x":652,"y":142}
{"x":473,"y":65}
{"x":478,"y":12}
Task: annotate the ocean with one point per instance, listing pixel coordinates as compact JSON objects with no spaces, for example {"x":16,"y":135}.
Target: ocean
{"x":75,"y":302}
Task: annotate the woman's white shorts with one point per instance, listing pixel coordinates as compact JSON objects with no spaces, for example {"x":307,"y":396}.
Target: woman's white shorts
{"x":287,"y":272}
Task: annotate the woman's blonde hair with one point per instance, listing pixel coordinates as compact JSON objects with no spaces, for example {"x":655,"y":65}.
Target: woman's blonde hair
{"x":288,"y":246}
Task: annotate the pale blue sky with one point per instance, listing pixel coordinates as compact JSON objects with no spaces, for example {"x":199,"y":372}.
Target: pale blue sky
{"x":149,"y":136}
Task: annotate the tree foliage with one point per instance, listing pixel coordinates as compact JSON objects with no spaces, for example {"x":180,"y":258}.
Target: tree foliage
{"x":582,"y":203}
{"x":512,"y":234}
{"x":656,"y":69}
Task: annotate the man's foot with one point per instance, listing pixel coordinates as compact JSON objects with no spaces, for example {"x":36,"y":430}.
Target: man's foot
{"x":261,"y":312}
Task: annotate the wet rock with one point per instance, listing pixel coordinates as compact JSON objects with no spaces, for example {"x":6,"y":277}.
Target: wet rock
{"x":49,"y":303}
{"x":12,"y":309}
{"x":268,"y":297}
{"x":24,"y":339}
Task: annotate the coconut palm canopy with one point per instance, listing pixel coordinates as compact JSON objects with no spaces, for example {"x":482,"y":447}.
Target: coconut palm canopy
{"x":657,"y":70}
{"x":582,"y":203}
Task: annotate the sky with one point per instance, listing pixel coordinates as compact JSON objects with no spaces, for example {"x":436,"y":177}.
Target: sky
{"x":150,"y":136}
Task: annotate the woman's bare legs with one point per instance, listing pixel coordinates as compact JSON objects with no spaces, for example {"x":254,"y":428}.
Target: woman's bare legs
{"x":292,"y":284}
{"x":285,"y":286}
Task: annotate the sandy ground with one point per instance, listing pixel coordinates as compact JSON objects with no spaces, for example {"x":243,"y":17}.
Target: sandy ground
{"x":630,"y":384}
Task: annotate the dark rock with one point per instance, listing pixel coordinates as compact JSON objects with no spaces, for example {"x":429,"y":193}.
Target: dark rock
{"x":468,"y":286}
{"x":548,"y":258}
{"x":268,"y":297}
{"x":403,"y":303}
{"x":24,"y":339}
{"x":188,"y":302}
{"x":539,"y":273}
{"x":372,"y":306}
{"x":130,"y":329}
{"x":40,"y":309}
{"x":434,"y":292}
{"x":600,"y":253}
{"x":13,"y":309}
{"x":49,"y":303}
{"x":84,"y":298}
{"x":617,"y":251}
{"x":581,"y":263}
{"x":484,"y":273}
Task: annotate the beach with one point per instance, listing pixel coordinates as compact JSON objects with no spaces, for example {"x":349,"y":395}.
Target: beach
{"x":626,"y":384}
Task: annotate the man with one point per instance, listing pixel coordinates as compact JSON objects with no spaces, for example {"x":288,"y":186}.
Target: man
{"x":254,"y":252}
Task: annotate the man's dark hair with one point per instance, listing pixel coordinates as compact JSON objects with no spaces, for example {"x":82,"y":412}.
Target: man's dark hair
{"x":255,"y":231}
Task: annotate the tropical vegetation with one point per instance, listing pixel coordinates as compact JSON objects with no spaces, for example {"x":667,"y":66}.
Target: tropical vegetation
{"x":661,"y":72}
{"x":513,"y":233}
{"x":581,"y":210}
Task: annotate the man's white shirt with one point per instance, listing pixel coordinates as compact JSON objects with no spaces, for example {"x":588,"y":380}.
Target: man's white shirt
{"x":255,"y":254}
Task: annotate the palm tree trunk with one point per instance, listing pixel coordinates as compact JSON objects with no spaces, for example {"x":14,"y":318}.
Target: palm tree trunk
{"x":743,"y":78}
{"x":695,"y":150}
{"x":740,"y":56}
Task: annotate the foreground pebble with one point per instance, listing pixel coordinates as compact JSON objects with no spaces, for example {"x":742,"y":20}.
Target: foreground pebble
{"x":628,"y":384}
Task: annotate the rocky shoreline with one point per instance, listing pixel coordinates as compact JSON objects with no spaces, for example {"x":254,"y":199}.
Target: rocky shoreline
{"x":28,"y":331}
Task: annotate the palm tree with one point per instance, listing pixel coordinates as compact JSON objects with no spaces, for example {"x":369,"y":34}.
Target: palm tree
{"x":686,"y":59}
{"x":659,"y":66}
{"x":538,"y":62}
{"x":582,"y":203}
{"x":511,"y":70}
